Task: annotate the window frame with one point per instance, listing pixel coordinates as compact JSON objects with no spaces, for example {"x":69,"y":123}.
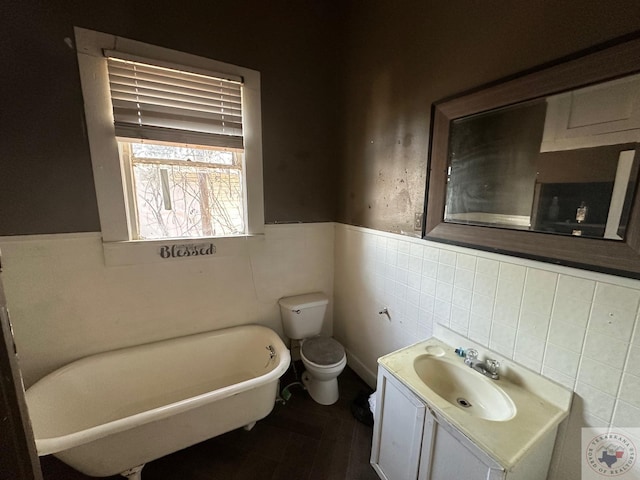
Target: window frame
{"x":112,"y":178}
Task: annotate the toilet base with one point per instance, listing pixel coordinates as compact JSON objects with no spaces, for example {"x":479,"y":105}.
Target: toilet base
{"x":324,"y":392}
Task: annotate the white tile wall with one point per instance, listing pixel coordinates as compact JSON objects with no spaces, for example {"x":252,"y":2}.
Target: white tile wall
{"x":576,"y":327}
{"x":573,"y":326}
{"x":66,"y":304}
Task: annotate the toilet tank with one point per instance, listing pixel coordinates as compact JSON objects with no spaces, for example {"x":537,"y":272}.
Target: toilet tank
{"x":303,"y":315}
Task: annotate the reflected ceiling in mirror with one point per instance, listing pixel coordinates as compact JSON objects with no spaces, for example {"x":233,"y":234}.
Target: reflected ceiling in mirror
{"x":562,"y":164}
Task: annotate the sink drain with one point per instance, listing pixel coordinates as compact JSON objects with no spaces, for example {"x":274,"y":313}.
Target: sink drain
{"x":463,"y":402}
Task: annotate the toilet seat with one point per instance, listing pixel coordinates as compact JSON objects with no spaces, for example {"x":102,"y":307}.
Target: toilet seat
{"x":322,"y":352}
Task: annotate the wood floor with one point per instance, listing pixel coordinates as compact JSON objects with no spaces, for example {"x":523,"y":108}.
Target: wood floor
{"x":300,"y":440}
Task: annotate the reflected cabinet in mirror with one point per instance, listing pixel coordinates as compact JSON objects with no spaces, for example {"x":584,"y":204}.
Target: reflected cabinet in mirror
{"x":544,"y":165}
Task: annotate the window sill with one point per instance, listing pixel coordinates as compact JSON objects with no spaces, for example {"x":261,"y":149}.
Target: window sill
{"x":137,"y":252}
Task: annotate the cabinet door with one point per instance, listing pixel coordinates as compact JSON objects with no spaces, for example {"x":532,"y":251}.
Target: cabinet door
{"x":447,"y":454}
{"x":397,"y":436}
{"x":603,"y":114}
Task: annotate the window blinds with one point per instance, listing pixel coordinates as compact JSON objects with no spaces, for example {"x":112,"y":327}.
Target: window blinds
{"x":164,"y":104}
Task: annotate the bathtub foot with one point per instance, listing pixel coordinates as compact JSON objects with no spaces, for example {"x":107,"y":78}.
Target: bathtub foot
{"x":133,"y":473}
{"x":249,"y":426}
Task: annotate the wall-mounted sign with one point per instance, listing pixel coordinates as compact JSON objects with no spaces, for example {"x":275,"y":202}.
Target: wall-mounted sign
{"x":178,"y":251}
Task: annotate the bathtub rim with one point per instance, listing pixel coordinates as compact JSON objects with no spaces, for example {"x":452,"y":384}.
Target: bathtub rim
{"x":51,"y":445}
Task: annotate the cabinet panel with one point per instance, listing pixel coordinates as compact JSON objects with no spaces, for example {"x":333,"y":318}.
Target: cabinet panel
{"x":447,"y":454}
{"x":451,"y":459}
{"x":397,"y":436}
{"x":603,"y":114}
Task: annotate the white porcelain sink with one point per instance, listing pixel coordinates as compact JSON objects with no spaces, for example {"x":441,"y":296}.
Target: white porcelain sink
{"x":464,"y":388}
{"x":507,"y":417}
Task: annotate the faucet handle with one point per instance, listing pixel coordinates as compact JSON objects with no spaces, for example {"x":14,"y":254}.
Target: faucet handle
{"x":492,"y":365}
{"x":471,"y":356}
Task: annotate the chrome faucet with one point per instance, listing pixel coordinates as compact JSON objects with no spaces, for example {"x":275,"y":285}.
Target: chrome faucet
{"x":489,"y":368}
{"x":272,"y":352}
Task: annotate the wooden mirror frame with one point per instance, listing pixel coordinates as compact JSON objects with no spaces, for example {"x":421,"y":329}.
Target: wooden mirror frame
{"x":606,"y":62}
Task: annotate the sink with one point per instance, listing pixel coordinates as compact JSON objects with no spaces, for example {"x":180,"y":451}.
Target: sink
{"x":506,"y":417}
{"x":464,"y":388}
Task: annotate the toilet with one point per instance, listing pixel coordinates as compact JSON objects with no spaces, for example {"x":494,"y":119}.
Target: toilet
{"x":323,"y":357}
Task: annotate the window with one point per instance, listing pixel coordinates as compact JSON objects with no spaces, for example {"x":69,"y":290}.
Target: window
{"x":175,"y":141}
{"x":185,"y":191}
{"x":191,"y":189}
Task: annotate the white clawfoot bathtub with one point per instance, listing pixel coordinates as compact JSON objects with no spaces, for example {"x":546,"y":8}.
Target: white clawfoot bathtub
{"x":111,"y":412}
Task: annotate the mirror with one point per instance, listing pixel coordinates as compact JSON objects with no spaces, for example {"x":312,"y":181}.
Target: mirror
{"x":527,"y":165}
{"x":560,"y":164}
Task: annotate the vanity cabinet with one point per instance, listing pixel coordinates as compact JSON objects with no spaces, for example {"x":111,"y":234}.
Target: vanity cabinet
{"x":412,"y":442}
{"x":398,"y":430}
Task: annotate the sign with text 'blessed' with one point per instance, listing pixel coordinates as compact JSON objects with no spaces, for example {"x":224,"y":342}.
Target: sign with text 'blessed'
{"x":179,"y":251}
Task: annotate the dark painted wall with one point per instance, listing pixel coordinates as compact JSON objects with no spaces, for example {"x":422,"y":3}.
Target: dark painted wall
{"x":344,"y":83}
{"x":45,"y":167}
{"x":402,"y":56}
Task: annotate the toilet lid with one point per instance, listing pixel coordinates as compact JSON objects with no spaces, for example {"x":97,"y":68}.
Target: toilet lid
{"x":322,"y":350}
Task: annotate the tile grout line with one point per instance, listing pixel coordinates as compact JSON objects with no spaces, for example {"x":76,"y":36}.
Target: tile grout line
{"x":582,"y":357}
{"x":546,"y":338}
{"x":634,"y":332}
{"x":493,"y":307}
{"x":520,"y":312}
{"x":351,"y":450}
{"x":563,"y":440}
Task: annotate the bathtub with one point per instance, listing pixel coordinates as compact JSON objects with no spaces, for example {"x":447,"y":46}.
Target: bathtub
{"x":111,"y":412}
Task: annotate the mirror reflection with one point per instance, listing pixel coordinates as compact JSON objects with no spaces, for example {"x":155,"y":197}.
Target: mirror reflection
{"x":564,"y":164}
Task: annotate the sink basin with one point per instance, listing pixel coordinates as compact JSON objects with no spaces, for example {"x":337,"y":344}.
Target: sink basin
{"x":464,"y":388}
